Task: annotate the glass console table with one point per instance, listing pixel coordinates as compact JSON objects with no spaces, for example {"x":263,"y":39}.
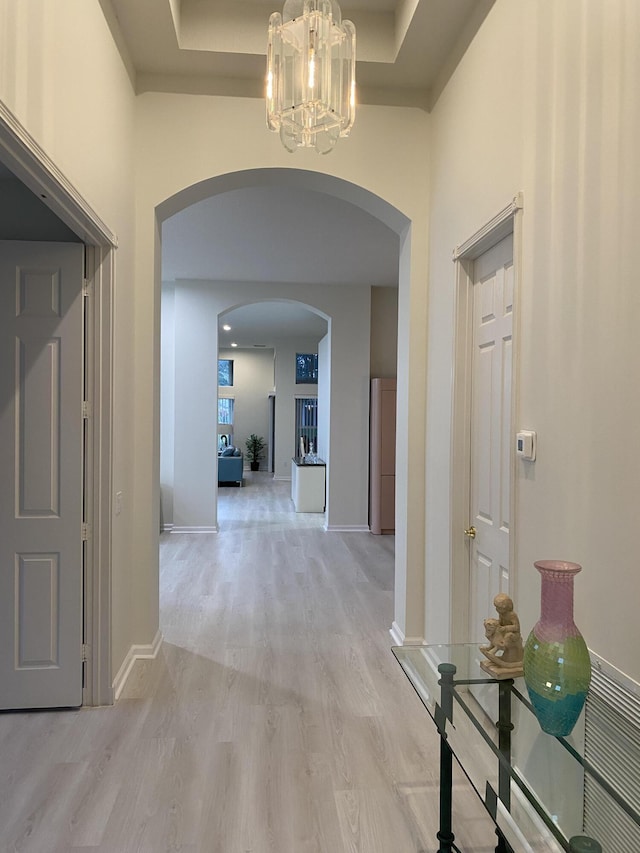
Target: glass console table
{"x":532,"y":784}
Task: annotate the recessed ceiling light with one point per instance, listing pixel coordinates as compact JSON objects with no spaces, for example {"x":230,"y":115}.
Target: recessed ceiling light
{"x":234,"y":345}
{"x":227,"y":327}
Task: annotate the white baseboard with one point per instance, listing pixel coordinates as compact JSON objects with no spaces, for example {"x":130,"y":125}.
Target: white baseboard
{"x":400,"y":639}
{"x":167,"y":528}
{"x":347,"y":528}
{"x":145,"y":652}
{"x":193,"y":529}
{"x":281,"y":479}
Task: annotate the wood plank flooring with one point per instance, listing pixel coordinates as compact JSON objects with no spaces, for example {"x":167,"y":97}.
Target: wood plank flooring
{"x":275,"y":718}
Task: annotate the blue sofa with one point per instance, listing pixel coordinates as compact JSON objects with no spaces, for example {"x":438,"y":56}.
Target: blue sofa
{"x":230,"y":466}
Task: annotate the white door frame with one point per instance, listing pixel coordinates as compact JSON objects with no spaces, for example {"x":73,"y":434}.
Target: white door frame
{"x":20,"y":152}
{"x":507,"y":221}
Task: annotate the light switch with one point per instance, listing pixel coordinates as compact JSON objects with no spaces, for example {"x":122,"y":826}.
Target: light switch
{"x":526,"y":445}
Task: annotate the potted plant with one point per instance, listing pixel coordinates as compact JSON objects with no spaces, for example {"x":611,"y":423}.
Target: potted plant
{"x":255,"y":450}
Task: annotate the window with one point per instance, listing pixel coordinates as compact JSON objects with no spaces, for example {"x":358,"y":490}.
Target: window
{"x":306,"y":368}
{"x":306,"y":423}
{"x":225,"y":410}
{"x":225,"y":371}
{"x":225,"y":423}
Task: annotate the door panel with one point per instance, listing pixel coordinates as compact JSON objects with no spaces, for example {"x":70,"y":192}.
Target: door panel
{"x":490,"y":431}
{"x":41,"y":391}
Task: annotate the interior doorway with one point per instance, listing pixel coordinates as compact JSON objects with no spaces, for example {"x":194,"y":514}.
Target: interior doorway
{"x":41,"y":453}
{"x":489,"y":525}
{"x":275,"y":273}
{"x":264,"y":341}
{"x":62,"y":208}
{"x":483,"y":495}
{"x":268,"y":336}
{"x":347,"y":308}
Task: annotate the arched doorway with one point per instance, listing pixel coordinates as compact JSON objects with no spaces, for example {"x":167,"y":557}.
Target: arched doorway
{"x":409,"y":575}
{"x":194,"y":340}
{"x":200,"y":300}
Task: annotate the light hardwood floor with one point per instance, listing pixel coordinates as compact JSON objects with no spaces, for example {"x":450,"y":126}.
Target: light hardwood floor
{"x":275,"y":718}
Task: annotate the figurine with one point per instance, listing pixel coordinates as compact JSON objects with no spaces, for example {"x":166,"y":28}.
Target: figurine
{"x":504,"y":651}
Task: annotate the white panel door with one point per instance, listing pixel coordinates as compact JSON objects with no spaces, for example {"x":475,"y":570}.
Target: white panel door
{"x":41,"y":391}
{"x":490,"y":431}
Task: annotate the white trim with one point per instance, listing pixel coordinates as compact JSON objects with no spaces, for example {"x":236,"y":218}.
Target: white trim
{"x":281,"y":479}
{"x":98,"y":477}
{"x":25,"y":157}
{"x":507,"y":221}
{"x":347,"y":528}
{"x":20,"y":152}
{"x":135,"y":653}
{"x":167,"y":528}
{"x":176,"y":528}
{"x":399,"y":638}
{"x":397,"y":635}
{"x":490,"y":233}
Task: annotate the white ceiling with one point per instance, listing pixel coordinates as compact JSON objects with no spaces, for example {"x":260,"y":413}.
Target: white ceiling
{"x":406,"y":49}
{"x":266,"y":323}
{"x":278,"y":234}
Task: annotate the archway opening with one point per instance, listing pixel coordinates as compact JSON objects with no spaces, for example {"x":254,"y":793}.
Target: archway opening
{"x":299,"y":237}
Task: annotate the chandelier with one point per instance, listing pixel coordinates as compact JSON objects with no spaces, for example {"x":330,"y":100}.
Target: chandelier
{"x":311,"y":60}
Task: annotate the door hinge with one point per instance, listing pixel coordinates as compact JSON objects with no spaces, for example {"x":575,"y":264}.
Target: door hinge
{"x":86,"y":287}
{"x":87,"y":409}
{"x":86,"y":531}
{"x":85,"y":651}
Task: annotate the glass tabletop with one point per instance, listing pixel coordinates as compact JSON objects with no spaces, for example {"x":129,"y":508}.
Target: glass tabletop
{"x":535,"y":790}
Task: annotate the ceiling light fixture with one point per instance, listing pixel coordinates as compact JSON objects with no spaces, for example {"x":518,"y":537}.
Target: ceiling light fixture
{"x":311,"y":61}
{"x":234,"y":344}
{"x":226,"y":327}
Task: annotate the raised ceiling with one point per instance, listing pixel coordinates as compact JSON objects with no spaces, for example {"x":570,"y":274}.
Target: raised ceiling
{"x":406,"y":49}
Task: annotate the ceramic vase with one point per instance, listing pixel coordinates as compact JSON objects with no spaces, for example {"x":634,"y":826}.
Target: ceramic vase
{"x":557,"y":668}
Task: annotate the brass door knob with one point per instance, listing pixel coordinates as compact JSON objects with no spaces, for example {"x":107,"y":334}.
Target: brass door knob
{"x":470,"y":532}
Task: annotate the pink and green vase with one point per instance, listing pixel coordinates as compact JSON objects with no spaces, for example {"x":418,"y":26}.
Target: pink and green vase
{"x":557,"y":667}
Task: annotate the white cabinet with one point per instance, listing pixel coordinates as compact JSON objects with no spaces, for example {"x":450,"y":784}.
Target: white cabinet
{"x":307,"y":486}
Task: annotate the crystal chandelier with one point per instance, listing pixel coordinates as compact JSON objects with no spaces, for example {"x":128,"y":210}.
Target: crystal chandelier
{"x":311,"y":60}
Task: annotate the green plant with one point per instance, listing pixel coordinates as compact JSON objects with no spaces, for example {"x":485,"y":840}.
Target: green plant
{"x":255,"y":447}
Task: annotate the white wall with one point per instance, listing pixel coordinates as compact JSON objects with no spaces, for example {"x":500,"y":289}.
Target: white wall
{"x":197,"y":307}
{"x":167,"y":404}
{"x":324,"y":396}
{"x":62,"y":77}
{"x":382,"y":167}
{"x":545,"y":102}
{"x":257,"y":373}
{"x":253,"y":381}
{"x":85,"y":123}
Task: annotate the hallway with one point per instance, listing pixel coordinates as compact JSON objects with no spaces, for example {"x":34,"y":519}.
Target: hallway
{"x":274,"y":720}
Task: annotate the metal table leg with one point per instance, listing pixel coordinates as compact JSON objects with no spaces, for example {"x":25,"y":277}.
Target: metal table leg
{"x":445,"y":834}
